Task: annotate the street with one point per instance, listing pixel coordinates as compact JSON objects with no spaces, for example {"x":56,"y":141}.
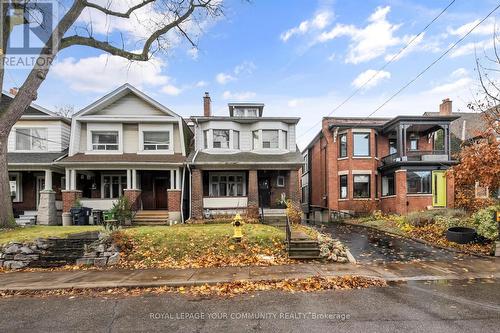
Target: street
{"x":444,"y":306}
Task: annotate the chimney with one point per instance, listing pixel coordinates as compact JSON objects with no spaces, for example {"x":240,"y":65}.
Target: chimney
{"x":13,"y":91}
{"x":445,"y":107}
{"x":207,"y":105}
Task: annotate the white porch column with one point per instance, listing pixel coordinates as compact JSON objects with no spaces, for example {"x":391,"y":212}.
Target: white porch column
{"x":129,"y":179}
{"x":134,"y":179}
{"x":67,"y":180}
{"x":172,"y":178}
{"x":73,"y":179}
{"x":179,"y":172}
{"x":48,"y":180}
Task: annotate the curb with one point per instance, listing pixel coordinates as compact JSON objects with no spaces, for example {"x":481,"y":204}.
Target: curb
{"x":418,"y":240}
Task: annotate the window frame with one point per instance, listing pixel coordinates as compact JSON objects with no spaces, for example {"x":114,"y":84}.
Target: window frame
{"x":227,"y":183}
{"x":354,"y":186}
{"x":121,"y":184}
{"x":354,"y":135}
{"x":31,"y":138}
{"x":93,"y":145}
{"x":391,"y":190}
{"x":168,"y":144}
{"x":228,"y":138}
{"x":282,"y":183}
{"x":341,"y":178}
{"x":395,"y":147}
{"x":277,"y":138}
{"x":236,"y":141}
{"x":412,"y":140}
{"x":341,"y":144}
{"x":19,"y":191}
{"x":429,"y":182}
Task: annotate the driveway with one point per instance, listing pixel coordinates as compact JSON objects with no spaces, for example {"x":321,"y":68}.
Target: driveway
{"x":371,"y":246}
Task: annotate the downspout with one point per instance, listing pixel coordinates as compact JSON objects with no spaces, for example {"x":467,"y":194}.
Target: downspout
{"x":182,"y":193}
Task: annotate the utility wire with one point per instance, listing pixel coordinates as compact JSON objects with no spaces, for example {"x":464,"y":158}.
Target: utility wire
{"x":377,"y":72}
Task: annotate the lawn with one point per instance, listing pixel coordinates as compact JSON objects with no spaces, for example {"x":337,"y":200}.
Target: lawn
{"x":31,"y":233}
{"x":200,"y":245}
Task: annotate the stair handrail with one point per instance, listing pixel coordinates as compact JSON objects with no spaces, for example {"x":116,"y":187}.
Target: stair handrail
{"x":288,"y":230}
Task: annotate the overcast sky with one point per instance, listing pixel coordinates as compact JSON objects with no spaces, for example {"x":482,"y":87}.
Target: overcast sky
{"x":299,"y":57}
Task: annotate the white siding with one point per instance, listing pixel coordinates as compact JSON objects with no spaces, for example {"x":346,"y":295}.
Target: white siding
{"x":130,"y":138}
{"x":65,"y":135}
{"x":130,"y":105}
{"x":83,"y":138}
{"x":55,"y":141}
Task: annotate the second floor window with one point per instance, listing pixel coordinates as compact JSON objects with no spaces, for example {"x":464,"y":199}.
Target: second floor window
{"x":393,"y":146}
{"x":361,"y":144}
{"x":255,"y":139}
{"x":31,"y":139}
{"x":343,"y":145}
{"x":270,"y":139}
{"x":413,"y":143}
{"x":156,"y":140}
{"x":221,"y":139}
{"x":236,"y":140}
{"x":105,"y":140}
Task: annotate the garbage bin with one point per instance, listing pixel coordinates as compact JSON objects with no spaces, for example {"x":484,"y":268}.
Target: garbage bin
{"x":76,"y":214}
{"x":97,"y":215}
{"x":86,"y":212}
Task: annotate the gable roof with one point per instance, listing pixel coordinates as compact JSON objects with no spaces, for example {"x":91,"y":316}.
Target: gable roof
{"x":467,"y":126}
{"x":33,"y":111}
{"x":120,"y":92}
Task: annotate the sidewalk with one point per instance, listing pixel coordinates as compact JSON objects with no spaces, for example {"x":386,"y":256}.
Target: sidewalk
{"x":429,"y":270}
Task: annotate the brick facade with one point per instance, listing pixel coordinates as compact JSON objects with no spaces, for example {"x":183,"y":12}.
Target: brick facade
{"x":134,"y":198}
{"x":196,"y":194}
{"x":293,"y":188}
{"x":174,"y":200}
{"x":253,"y":194}
{"x":69,"y":198}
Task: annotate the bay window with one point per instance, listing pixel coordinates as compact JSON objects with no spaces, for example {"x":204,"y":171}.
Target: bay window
{"x":270,"y":139}
{"x":361,"y":186}
{"x":221,"y":139}
{"x":343,"y":145}
{"x":224,"y":184}
{"x":156,"y":140}
{"x":418,"y":182}
{"x":255,"y":139}
{"x":361,"y":144}
{"x":32,"y":139}
{"x":236,"y":140}
{"x":343,"y":187}
{"x":104,"y":140}
{"x":284,"y":139}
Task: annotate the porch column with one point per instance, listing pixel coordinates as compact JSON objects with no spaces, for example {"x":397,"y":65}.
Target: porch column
{"x":73,"y":180}
{"x":134,"y":179}
{"x":172,"y":179}
{"x":48,"y":180}
{"x":129,"y":179}
{"x":404,"y":139}
{"x":178,"y":182}
{"x":253,"y":194}
{"x":446,"y":135}
{"x":400,"y":141}
{"x":67,"y":179}
{"x":401,"y":191}
{"x":293,"y":188}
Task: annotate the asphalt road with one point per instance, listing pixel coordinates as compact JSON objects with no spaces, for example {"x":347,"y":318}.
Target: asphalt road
{"x":443,"y":306}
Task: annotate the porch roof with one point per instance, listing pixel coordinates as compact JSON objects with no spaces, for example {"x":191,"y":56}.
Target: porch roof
{"x":34,"y":158}
{"x":123,"y":159}
{"x":246,"y":159}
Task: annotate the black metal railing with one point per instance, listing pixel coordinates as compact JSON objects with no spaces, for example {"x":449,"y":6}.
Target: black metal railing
{"x":288,"y":230}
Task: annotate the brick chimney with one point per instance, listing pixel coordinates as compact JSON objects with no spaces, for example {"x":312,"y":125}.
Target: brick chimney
{"x":207,"y":105}
{"x":445,"y":108}
{"x":13,"y":91}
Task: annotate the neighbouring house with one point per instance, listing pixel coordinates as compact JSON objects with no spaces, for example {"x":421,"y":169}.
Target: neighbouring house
{"x":37,"y":140}
{"x":243,"y":162}
{"x":126,"y":143}
{"x":396,"y":165}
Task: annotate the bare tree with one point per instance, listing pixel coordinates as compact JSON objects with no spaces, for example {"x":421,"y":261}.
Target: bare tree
{"x":175,"y":14}
{"x":66,"y":110}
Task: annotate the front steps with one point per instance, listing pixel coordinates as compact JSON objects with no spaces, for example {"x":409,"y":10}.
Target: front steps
{"x":302,"y":246}
{"x":27,"y":218}
{"x":151,"y":218}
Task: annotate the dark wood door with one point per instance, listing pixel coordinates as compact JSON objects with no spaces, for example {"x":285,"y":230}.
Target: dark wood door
{"x":265,"y":192}
{"x":160,"y":193}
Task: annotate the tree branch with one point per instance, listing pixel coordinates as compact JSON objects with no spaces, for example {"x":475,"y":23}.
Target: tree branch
{"x":107,"y":11}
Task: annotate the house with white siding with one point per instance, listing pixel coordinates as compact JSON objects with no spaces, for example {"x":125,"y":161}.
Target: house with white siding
{"x":243,"y":161}
{"x":36,"y":142}
{"x":126,"y":143}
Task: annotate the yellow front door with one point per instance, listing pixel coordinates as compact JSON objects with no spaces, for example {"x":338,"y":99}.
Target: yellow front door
{"x":439,"y":188}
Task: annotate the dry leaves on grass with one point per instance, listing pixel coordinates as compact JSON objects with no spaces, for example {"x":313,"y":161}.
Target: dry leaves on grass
{"x":230,"y":289}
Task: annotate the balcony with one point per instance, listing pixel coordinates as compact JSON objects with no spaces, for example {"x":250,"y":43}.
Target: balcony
{"x":417,"y":156}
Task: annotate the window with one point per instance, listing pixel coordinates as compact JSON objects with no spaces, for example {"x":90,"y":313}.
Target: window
{"x":376,"y":186}
{"x":156,"y":140}
{"x":388,"y":185}
{"x":236,"y":140}
{"x":305,"y":168}
{"x":239,"y":112}
{"x":418,"y":181}
{"x":113,"y":186}
{"x":376,"y":145}
{"x":15,"y":187}
{"x":393,"y":146}
{"x":31,"y":139}
{"x":105,"y":140}
{"x":343,"y":187}
{"x":252,"y":112}
{"x":280,"y":181}
{"x":438,"y":142}
{"x":343,"y":145}
{"x":305,"y":194}
{"x":255,"y":139}
{"x":227,"y":184}
{"x":284,"y":139}
{"x":361,"y":144}
{"x":221,"y":139}
{"x":413,"y":143}
{"x":270,"y":139}
{"x":205,"y":139}
{"x":361,"y":187}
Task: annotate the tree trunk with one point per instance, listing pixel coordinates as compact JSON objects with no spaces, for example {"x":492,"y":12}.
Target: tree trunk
{"x":6,"y":215}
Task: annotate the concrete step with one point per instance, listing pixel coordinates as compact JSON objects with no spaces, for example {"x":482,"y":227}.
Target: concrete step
{"x":150,"y":222}
{"x":150,"y":218}
{"x":304,"y":244}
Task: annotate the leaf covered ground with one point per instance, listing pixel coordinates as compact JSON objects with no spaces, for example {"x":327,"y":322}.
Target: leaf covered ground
{"x":30,"y":233}
{"x":200,"y":245}
{"x":231,"y":289}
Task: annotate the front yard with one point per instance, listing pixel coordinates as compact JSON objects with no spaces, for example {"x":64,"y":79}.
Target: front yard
{"x":28,"y":234}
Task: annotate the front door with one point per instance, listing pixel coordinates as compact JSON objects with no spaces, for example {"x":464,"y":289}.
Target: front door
{"x":160,"y":193}
{"x":265,"y":192}
{"x":439,"y":188}
{"x":40,"y":186}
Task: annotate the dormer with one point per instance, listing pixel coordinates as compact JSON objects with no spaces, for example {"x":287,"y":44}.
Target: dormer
{"x":246,"y":110}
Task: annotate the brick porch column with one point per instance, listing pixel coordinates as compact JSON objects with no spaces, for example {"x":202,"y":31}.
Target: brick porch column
{"x":174,"y":205}
{"x":401,"y":191}
{"x":294,"y":192}
{"x":134,"y":197}
{"x":450,"y":190}
{"x":196,"y":194}
{"x":253,"y":194}
{"x":69,"y":197}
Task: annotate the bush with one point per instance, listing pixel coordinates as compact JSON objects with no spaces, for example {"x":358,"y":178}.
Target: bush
{"x":294,"y":214}
{"x":444,"y":217}
{"x":485,"y":223}
{"x":122,"y":211}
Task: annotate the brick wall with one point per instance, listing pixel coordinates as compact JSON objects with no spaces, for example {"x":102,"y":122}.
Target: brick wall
{"x":400,"y":180}
{"x":174,"y":200}
{"x":69,"y":198}
{"x":253,"y":194}
{"x":450,"y":190}
{"x":196,"y":194}
{"x":293,"y":188}
{"x":134,"y":197}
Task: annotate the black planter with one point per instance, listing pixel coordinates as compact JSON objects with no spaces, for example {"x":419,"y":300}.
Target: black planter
{"x":461,"y":235}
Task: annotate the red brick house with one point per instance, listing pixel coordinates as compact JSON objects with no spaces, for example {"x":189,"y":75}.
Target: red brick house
{"x":396,"y":165}
{"x":243,"y":162}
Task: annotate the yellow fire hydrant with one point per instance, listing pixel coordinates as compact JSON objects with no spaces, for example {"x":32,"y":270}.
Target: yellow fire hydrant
{"x":237,"y":228}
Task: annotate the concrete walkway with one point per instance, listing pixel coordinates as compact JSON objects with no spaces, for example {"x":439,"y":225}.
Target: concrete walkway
{"x":428,"y":270}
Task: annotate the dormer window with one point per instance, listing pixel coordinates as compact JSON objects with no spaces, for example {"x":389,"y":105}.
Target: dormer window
{"x":31,"y":139}
{"x":105,"y":140}
{"x":251,"y":112}
{"x":245,"y":112}
{"x":239,"y":112}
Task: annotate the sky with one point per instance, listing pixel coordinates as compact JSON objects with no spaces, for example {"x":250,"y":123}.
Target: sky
{"x":300,"y":58}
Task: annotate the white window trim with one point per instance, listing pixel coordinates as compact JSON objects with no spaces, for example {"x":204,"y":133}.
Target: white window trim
{"x":156,"y":128}
{"x":14,"y":130}
{"x":361,"y":131}
{"x":19,"y":192}
{"x":210,"y":139}
{"x":97,"y":127}
{"x":228,"y":174}
{"x":120,"y":189}
{"x":282,"y":178}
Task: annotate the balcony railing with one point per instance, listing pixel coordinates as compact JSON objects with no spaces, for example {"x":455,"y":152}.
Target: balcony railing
{"x":416,"y":155}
